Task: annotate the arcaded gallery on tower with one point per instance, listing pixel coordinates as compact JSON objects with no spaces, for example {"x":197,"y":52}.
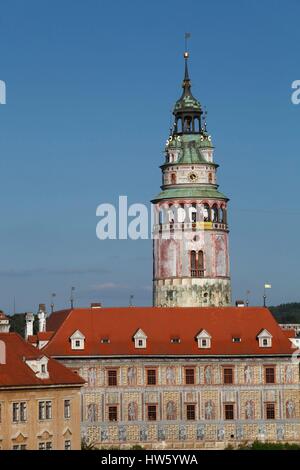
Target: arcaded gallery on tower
{"x":191,"y":371}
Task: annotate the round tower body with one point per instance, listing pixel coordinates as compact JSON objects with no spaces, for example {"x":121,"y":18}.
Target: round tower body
{"x":190,"y":233}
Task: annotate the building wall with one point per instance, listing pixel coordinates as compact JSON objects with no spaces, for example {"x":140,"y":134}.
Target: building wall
{"x":33,"y":431}
{"x":172,"y":429}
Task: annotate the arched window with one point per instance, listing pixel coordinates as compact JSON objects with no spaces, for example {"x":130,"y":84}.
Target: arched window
{"x":197,"y":264}
{"x":206,"y":213}
{"x":193,"y":214}
{"x":224,"y":216}
{"x":193,"y":262}
{"x":187,"y":124}
{"x":196,"y":125}
{"x":210,"y":178}
{"x":173,"y":178}
{"x":215,"y":213}
{"x":179,"y":125}
{"x":200,"y":260}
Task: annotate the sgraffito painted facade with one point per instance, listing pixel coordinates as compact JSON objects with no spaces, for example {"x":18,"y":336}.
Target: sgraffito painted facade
{"x":180,"y":377}
{"x":190,"y":247}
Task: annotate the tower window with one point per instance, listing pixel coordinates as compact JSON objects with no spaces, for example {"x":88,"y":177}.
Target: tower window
{"x":215,"y":213}
{"x":197,"y":264}
{"x":210,"y":178}
{"x":206,"y":213}
{"x":173,"y":178}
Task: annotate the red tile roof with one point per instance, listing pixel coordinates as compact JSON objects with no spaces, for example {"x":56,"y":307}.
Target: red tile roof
{"x":40,"y":336}
{"x":160,"y":325}
{"x":16,"y":373}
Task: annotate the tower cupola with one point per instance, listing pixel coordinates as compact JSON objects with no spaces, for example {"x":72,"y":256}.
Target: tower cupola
{"x":187,"y":109}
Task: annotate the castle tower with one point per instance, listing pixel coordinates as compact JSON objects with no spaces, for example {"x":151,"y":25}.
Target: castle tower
{"x":190,"y":246}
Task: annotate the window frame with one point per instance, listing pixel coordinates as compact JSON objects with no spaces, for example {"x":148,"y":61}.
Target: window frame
{"x":267,"y":410}
{"x":112,"y":381}
{"x":148,"y":370}
{"x":153,"y":410}
{"x":67,"y":408}
{"x":186,"y":379}
{"x":225,"y":376}
{"x":266,"y":375}
{"x":112,"y":412}
{"x":230,"y":411}
{"x":190,"y":411}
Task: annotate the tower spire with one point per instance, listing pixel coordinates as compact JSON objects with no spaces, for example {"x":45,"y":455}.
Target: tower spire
{"x":186,"y":85}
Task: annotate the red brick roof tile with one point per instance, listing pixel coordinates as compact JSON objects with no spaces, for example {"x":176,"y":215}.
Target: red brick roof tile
{"x":160,"y":325}
{"x":16,"y":373}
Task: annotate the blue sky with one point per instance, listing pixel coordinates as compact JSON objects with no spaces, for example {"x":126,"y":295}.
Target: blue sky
{"x":90,"y":86}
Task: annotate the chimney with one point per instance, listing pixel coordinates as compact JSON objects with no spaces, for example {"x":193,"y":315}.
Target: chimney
{"x":4,"y":323}
{"x":96,"y":305}
{"x":42,"y":314}
{"x":29,"y":319}
{"x":240,"y":303}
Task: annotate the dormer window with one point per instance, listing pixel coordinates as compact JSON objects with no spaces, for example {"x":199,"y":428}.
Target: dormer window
{"x":105,"y":340}
{"x":236,"y":339}
{"x":175,"y":340}
{"x":140,"y":339}
{"x":264,"y":339}
{"x":77,"y":340}
{"x":39,"y":366}
{"x":204,"y":340}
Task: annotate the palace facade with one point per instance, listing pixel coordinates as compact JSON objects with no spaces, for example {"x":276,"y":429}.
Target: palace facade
{"x":179,"y":378}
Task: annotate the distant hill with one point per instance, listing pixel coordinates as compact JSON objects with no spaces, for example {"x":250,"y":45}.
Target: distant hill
{"x":287,"y":313}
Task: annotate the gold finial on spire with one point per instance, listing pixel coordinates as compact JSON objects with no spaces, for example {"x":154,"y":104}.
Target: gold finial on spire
{"x":186,"y":37}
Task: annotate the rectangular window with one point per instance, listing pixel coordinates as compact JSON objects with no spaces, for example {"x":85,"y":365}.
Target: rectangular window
{"x":112,"y":378}
{"x":152,"y":413}
{"x":190,"y":376}
{"x":67,"y":445}
{"x":42,"y":409}
{"x":19,"y":447}
{"x":270,"y":410}
{"x":229,"y":411}
{"x":67,"y":409}
{"x":48,"y":409}
{"x":228,"y":375}
{"x":112,"y":413}
{"x":23,"y":411}
{"x":190,"y":412}
{"x":45,"y":410}
{"x":270,"y":375}
{"x":15,"y":412}
{"x":19,"y":412}
{"x":48,"y":445}
{"x":151,"y":376}
{"x":42,"y":446}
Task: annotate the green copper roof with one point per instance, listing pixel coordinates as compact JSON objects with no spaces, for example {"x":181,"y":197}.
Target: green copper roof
{"x":184,"y":193}
{"x":187,"y":102}
{"x":191,"y":153}
{"x":190,"y":146}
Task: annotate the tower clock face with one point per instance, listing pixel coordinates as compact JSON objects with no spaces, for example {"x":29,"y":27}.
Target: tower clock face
{"x":192,"y":177}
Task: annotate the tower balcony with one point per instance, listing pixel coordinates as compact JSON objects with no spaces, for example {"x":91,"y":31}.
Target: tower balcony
{"x":197,"y":273}
{"x":182,"y":226}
